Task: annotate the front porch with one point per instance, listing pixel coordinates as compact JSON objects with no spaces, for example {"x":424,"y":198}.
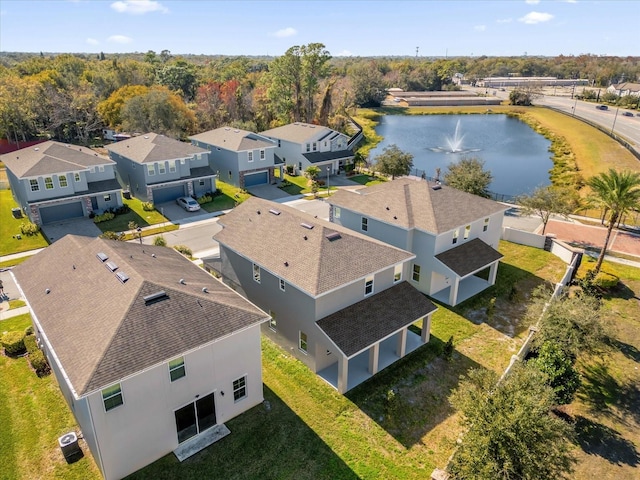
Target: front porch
{"x":467,"y":288}
{"x":359,"y":365}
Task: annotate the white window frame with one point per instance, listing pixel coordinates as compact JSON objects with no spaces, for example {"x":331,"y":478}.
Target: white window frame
{"x":283,"y":285}
{"x":256,"y":273}
{"x":486,"y":224}
{"x":62,"y":181}
{"x":467,"y":232}
{"x":308,"y":147}
{"x":397,"y":273}
{"x":336,"y":212}
{"x":110,"y":395}
{"x":48,"y":183}
{"x":162,"y":168}
{"x":172,"y":166}
{"x":177,"y":367}
{"x":273,"y":323}
{"x":151,"y":169}
{"x":455,"y":237}
{"x":415,"y":273}
{"x":303,"y":342}
{"x":107,"y":197}
{"x":315,"y":146}
{"x":250,"y":156}
{"x":35,"y":186}
{"x":364,"y":224}
{"x":76,"y":177}
{"x":100,"y":168}
{"x":262,"y":155}
{"x":239,"y":388}
{"x":368,"y":286}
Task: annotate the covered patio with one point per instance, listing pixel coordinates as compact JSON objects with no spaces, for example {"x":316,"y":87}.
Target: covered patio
{"x":373,"y":333}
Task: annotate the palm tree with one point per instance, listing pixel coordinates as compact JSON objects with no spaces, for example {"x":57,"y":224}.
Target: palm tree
{"x":616,"y":193}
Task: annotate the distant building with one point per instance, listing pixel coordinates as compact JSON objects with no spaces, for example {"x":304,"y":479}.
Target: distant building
{"x":625,"y":88}
{"x":497,"y":82}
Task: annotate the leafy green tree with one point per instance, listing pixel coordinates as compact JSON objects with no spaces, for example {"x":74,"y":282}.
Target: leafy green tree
{"x":616,"y":193}
{"x":469,"y":175}
{"x":367,"y":84}
{"x":179,"y":77}
{"x":512,"y":433}
{"x":519,"y":96}
{"x":545,"y":201}
{"x":312,"y":172}
{"x":393,"y":161}
{"x":110,"y":110}
{"x":558,"y":367}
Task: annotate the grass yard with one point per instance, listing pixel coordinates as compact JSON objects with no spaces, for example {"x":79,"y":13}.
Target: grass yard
{"x":137,"y":215}
{"x":10,"y":227}
{"x":367,"y":180}
{"x":231,"y":197}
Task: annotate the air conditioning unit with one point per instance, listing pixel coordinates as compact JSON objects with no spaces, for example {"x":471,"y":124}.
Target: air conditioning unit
{"x":69,"y":446}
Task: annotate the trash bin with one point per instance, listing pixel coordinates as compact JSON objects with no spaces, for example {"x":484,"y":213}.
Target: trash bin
{"x":16,"y":212}
{"x":126,"y":194}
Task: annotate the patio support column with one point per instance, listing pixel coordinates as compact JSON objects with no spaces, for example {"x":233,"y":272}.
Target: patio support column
{"x":493,"y":272}
{"x":401,"y":347}
{"x":374,"y":354}
{"x":343,"y":373}
{"x":453,"y":293}
{"x":426,"y":329}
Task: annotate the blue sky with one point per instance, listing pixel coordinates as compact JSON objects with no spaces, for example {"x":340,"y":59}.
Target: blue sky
{"x":346,"y":28}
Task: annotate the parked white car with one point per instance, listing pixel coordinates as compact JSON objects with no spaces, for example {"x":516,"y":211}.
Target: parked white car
{"x":188,"y":203}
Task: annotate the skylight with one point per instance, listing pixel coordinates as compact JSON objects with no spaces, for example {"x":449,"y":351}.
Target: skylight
{"x":274,"y":211}
{"x":111,"y":266}
{"x":123,"y":277}
{"x":103,"y":257}
{"x":333,"y":236}
{"x":307,"y":225}
{"x":155,"y":297}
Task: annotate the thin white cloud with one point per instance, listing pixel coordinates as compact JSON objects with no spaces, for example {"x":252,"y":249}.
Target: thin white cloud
{"x":92,"y":41}
{"x":504,"y":20}
{"x":285,"y":32}
{"x":532,"y":2}
{"x":122,"y":39}
{"x":344,"y":53}
{"x":532,"y":18}
{"x":138,"y":7}
{"x":480,"y":28}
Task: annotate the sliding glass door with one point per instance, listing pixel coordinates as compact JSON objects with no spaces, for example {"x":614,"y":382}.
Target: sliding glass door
{"x":195,"y":417}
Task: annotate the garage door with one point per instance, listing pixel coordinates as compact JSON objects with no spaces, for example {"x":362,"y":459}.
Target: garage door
{"x":253,"y":179}
{"x":56,"y":213}
{"x":168,"y":194}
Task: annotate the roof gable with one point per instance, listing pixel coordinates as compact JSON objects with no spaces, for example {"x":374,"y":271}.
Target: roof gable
{"x":152,"y":147}
{"x":51,"y":157}
{"x":233,"y":139}
{"x":314,"y":255}
{"x":102,"y":329}
{"x":418,"y":204}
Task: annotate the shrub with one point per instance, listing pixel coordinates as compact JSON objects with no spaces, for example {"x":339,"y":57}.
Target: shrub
{"x":30,"y":343}
{"x":13,"y":343}
{"x":447,"y":351}
{"x":38,"y":362}
{"x":113,"y":236}
{"x":183,"y":249}
{"x":28,"y":228}
{"x":123,"y":209}
{"x":204,"y":199}
{"x":106,"y":216}
{"x":148,"y":206}
{"x":289,"y":169}
{"x":558,"y":367}
{"x":160,"y":241}
{"x":28,"y":330}
{"x":606,"y":280}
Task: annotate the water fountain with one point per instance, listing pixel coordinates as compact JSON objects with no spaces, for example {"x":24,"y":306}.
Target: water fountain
{"x":454,"y":144}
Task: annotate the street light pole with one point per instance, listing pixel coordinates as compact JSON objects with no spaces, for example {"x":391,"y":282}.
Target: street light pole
{"x":614,"y":120}
{"x":328,"y":170}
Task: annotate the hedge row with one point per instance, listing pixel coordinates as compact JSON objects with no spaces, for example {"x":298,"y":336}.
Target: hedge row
{"x":17,"y":343}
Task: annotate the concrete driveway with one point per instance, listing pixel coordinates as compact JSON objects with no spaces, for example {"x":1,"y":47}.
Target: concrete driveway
{"x":268,"y":192}
{"x":77,"y":226}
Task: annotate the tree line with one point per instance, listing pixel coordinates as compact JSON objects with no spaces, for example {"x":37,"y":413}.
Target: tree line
{"x":72,"y":97}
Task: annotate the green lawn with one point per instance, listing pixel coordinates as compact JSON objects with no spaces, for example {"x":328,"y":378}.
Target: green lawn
{"x":367,"y":180}
{"x":137,"y":215}
{"x":231,"y":196}
{"x":10,"y":227}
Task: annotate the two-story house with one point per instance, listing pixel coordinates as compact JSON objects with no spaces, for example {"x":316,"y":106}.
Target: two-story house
{"x":303,"y":144}
{"x":338,"y":300}
{"x":159,"y":169}
{"x":52,"y":181}
{"x":151,"y":353}
{"x":453,"y":234}
{"x":241,"y":158}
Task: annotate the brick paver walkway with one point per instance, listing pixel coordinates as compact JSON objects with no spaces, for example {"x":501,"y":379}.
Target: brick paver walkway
{"x":593,"y":236}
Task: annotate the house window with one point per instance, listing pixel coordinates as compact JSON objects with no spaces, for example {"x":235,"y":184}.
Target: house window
{"x":151,"y":169}
{"x":368,"y":286}
{"x":101,"y":168}
{"x":455,"y":237}
{"x":201,"y":183}
{"x":315,"y":146}
{"x":308,"y":147}
{"x":62,"y":181}
{"x":34,"y":185}
{"x":112,"y":397}
{"x":397,"y":273}
{"x":48,"y":183}
{"x":336,"y":212}
{"x":486,"y":225}
{"x":76,"y":177}
{"x":302,"y":342}
{"x":282,"y":285}
{"x":176,"y":369}
{"x":416,"y":273}
{"x":162,"y":169}
{"x":230,"y":174}
{"x":272,"y":321}
{"x":365,"y":224}
{"x":278,"y":143}
{"x":256,"y":273}
{"x":262,"y":154}
{"x":239,"y":388}
{"x":92,"y":170}
{"x":172,"y":166}
{"x":250,"y":156}
{"x":467,"y":231}
{"x":107,"y":197}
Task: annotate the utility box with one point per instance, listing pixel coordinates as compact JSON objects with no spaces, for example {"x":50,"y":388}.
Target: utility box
{"x":69,"y":446}
{"x":16,"y":212}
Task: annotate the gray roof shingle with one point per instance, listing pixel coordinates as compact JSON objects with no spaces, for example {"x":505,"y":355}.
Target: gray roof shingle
{"x":410,"y":203}
{"x":316,"y":157}
{"x":233,"y":139}
{"x":364,"y":323}
{"x":51,"y":157}
{"x":297,"y":132}
{"x":304,"y":257}
{"x":152,"y":147}
{"x":102,"y":330}
{"x":469,"y":257}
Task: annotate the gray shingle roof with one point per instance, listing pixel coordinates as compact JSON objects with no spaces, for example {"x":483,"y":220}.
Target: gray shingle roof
{"x":469,"y":257}
{"x":152,"y":147}
{"x":410,"y":203}
{"x":364,"y":323}
{"x":296,"y":132}
{"x":233,"y":139}
{"x":102,"y":330}
{"x":316,"y":157}
{"x":51,"y":157}
{"x":303,"y":257}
